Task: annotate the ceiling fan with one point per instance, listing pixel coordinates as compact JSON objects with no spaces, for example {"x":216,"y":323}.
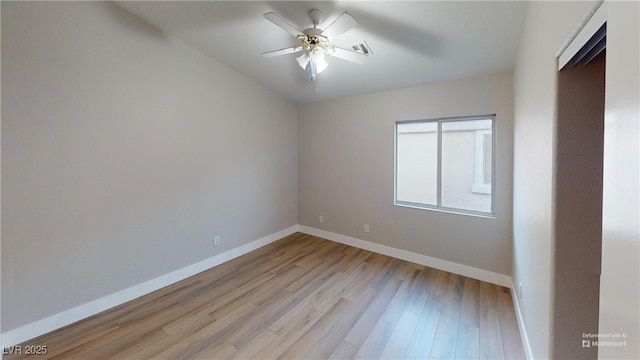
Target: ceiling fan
{"x":315,"y":44}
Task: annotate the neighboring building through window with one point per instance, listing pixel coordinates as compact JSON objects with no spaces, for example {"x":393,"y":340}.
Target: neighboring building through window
{"x":446,"y":164}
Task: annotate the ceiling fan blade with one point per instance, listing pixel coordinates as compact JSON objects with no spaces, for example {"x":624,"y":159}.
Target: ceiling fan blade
{"x":282,"y":23}
{"x":339,"y":26}
{"x":274,"y":53}
{"x":348,"y":55}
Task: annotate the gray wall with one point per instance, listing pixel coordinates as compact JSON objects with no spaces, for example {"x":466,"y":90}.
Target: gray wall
{"x":124,"y":152}
{"x":346,"y":157}
{"x":1,"y":340}
{"x":620,"y":274}
{"x":548,"y":25}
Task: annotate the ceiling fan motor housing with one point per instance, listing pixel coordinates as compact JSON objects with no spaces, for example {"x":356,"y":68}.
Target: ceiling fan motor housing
{"x":313,"y":37}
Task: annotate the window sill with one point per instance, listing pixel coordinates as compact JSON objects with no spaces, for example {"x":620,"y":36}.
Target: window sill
{"x":445,"y":210}
{"x":481,"y":189}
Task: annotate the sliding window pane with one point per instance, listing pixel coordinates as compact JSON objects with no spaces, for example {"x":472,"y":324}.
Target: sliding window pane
{"x":417,"y":163}
{"x":467,"y":164}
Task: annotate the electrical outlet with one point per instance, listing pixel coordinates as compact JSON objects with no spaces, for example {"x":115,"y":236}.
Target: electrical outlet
{"x":366,"y":228}
{"x":519,"y":290}
{"x":216,"y":240}
{"x":321,"y":219}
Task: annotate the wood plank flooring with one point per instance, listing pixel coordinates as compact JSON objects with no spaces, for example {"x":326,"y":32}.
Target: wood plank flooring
{"x":303,"y":297}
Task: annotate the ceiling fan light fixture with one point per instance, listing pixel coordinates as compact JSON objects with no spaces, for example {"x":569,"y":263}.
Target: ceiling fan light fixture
{"x":315,"y":68}
{"x":320,"y":66}
{"x":313,"y":61}
{"x":303,"y":60}
{"x":317,"y":54}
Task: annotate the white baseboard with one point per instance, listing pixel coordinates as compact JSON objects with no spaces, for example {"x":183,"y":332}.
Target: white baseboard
{"x":43,"y":326}
{"x":464,"y":270}
{"x":80,"y":312}
{"x":523,"y":330}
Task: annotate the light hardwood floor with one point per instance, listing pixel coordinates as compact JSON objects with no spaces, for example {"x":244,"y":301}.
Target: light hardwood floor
{"x":303,"y":297}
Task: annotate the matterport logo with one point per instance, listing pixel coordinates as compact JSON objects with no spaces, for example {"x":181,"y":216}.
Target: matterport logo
{"x":604,"y":340}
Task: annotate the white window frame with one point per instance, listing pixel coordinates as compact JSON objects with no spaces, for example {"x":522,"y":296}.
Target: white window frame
{"x":478,"y":166}
{"x":479,"y":186}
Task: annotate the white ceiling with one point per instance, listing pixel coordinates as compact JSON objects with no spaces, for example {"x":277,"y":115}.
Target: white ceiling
{"x":413,"y":43}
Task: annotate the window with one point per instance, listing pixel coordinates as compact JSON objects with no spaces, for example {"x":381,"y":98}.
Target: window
{"x":446,"y":164}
